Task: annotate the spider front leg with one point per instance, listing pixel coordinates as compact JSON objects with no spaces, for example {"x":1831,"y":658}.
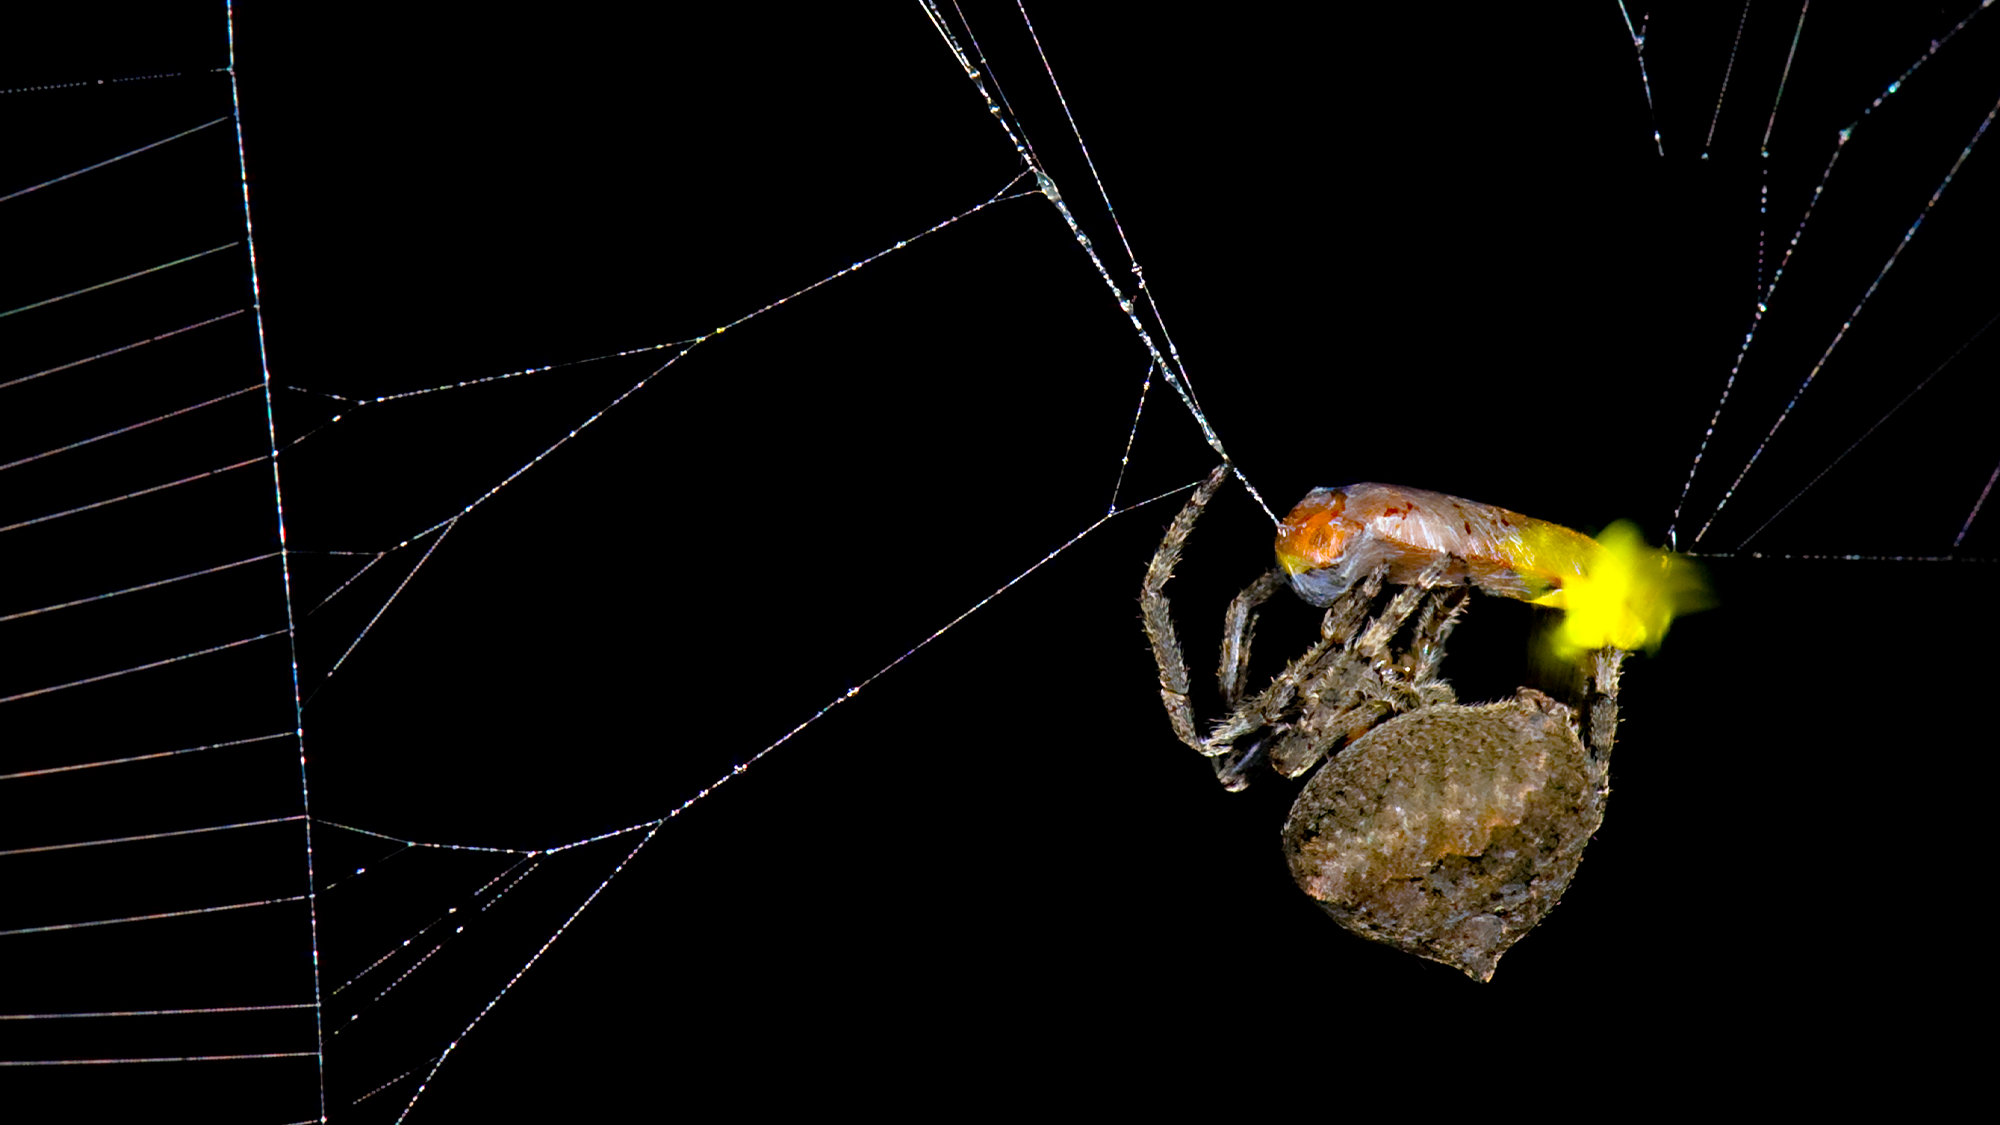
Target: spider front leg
{"x":1157,"y":613}
{"x":1269,"y":708}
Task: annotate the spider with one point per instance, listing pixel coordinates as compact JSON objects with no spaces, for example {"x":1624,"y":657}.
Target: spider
{"x":1441,"y":829}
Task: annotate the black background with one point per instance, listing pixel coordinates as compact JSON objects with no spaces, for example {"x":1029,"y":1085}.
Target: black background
{"x":1443,"y":253}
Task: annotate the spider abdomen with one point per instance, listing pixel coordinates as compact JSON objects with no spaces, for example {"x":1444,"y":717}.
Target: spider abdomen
{"x":1450,"y":831}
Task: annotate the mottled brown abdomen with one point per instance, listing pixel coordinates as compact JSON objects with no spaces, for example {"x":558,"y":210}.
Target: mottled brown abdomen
{"x":1448,"y":832}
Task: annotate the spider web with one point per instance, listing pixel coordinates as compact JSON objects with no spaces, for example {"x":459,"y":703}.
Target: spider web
{"x":1375,"y":267}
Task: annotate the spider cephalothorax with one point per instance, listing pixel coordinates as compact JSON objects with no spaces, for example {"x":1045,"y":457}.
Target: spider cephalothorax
{"x":1442,"y":829}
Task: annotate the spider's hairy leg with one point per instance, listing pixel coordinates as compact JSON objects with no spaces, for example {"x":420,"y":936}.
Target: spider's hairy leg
{"x":1368,"y":684}
{"x":1157,"y":614}
{"x":1238,"y":625}
{"x":1327,"y":670}
{"x":1326,"y":660}
{"x":1374,"y":643}
{"x":1606,"y":663}
{"x":1438,"y":618}
{"x":1344,"y":617}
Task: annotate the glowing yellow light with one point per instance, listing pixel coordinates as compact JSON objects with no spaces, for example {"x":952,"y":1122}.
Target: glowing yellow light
{"x":1626,"y":596}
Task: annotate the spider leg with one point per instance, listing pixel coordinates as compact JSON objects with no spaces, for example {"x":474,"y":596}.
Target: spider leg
{"x":1606,"y":663}
{"x":1329,"y":728}
{"x":1237,"y":627}
{"x":1344,"y":617}
{"x":1374,"y":642}
{"x":1367,"y":685}
{"x":1327,"y":668}
{"x":1156,"y":612}
{"x":1440,"y":615}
